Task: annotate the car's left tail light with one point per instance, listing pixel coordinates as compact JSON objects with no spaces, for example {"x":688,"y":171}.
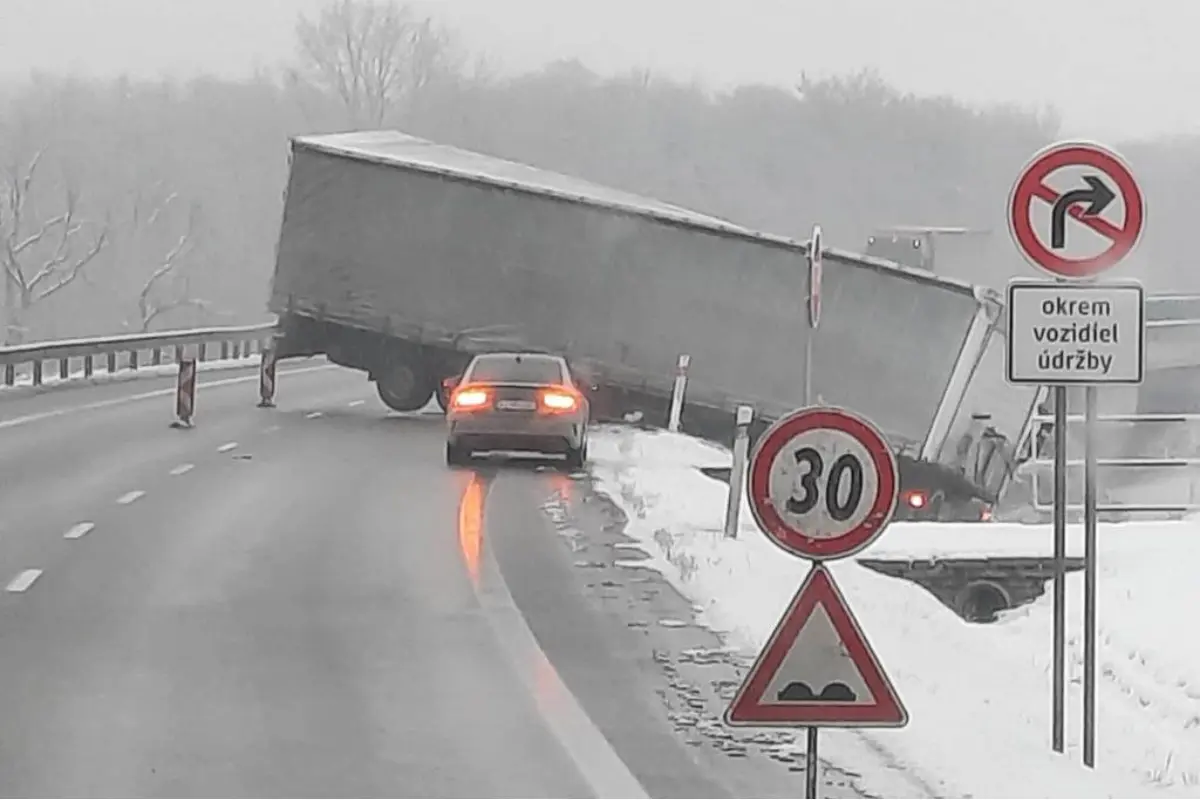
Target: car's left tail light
{"x":558,"y":401}
{"x":470,"y":398}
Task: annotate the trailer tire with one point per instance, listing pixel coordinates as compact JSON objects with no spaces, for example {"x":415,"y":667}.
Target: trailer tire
{"x":404,"y":387}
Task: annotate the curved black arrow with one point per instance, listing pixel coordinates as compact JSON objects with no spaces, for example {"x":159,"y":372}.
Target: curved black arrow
{"x":1098,"y":197}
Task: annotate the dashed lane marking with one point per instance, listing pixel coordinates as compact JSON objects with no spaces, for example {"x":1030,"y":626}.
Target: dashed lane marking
{"x":129,"y":497}
{"x":354,"y":403}
{"x":79,"y":530}
{"x":182,"y":468}
{"x":271,"y":429}
{"x":225,"y":448}
{"x":312,"y":415}
{"x":24,"y":580}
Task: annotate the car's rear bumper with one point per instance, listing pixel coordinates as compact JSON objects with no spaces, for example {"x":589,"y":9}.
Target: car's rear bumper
{"x":498,"y":431}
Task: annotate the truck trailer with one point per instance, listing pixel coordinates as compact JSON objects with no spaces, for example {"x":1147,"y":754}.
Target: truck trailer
{"x":401,"y":258}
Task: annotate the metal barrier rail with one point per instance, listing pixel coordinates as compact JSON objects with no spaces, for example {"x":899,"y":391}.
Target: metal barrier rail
{"x":1188,"y":464}
{"x":235,"y":342}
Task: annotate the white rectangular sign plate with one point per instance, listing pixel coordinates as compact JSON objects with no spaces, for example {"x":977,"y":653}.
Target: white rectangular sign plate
{"x":1088,"y":334}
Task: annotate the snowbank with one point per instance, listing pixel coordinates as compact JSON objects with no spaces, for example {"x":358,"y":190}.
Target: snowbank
{"x":978,"y":695}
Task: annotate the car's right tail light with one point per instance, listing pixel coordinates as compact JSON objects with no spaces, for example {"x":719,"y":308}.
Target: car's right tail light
{"x":558,"y":401}
{"x":470,"y":398}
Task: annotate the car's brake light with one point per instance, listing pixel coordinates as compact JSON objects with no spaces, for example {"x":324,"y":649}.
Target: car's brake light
{"x":470,"y":397}
{"x":558,"y":400}
{"x":916,"y":499}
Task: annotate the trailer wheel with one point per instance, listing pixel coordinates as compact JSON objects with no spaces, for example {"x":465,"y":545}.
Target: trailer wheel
{"x":404,"y":387}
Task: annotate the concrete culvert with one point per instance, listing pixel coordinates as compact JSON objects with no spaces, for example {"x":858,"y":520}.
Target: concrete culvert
{"x":982,"y":601}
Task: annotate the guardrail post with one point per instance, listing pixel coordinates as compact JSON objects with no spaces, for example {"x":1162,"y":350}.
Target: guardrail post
{"x":37,"y":372}
{"x":133,"y":359}
{"x":87,"y":366}
{"x":112,"y":362}
{"x":224,"y":351}
{"x":156,"y":356}
{"x":185,"y":394}
{"x":675,"y":418}
{"x":178,"y":353}
{"x":10,"y":374}
{"x":64,"y":368}
{"x":737,"y":472}
{"x":266,"y":378}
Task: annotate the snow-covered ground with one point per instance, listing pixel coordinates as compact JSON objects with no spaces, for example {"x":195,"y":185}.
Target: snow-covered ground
{"x":978,"y":695}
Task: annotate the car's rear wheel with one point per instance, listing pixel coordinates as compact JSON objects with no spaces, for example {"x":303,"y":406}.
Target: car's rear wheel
{"x":457,"y":455}
{"x":577,"y":456}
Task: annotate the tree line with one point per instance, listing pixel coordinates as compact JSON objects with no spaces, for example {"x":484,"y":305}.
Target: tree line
{"x":139,"y":205}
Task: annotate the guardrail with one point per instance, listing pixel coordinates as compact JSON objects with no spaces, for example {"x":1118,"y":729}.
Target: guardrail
{"x":124,"y":352}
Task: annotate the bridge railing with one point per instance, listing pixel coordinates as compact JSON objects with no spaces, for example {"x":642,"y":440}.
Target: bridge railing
{"x":1173,"y":472}
{"x":130,"y":351}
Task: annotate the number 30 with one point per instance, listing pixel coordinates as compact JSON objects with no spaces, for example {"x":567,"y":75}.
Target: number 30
{"x":810,"y":492}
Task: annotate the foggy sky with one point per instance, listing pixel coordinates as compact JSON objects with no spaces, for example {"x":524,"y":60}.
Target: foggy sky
{"x":1114,"y":68}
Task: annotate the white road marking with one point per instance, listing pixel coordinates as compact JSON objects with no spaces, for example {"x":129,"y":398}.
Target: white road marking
{"x":313,"y":414}
{"x":225,"y":448}
{"x":271,"y":429}
{"x":119,"y":401}
{"x":79,"y":530}
{"x":182,"y":468}
{"x":594,"y":757}
{"x":354,"y":403}
{"x":129,"y":497}
{"x":24,"y":580}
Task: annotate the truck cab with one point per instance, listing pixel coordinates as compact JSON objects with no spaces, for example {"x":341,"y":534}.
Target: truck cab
{"x":968,"y":254}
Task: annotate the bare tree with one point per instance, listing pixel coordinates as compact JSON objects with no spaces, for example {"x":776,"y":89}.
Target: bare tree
{"x":41,"y":253}
{"x":375,"y":57}
{"x":167,"y":288}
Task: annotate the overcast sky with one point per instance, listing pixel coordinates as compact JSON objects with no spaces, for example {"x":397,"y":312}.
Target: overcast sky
{"x":1115,"y":69}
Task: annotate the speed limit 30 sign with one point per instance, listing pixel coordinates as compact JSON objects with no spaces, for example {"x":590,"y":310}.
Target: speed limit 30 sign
{"x":822,"y":483}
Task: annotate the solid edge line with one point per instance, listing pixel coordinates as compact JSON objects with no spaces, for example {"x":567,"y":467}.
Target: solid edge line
{"x":118,"y":401}
{"x":592,"y":754}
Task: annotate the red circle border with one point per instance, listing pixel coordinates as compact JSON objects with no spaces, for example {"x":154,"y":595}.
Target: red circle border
{"x":1075,"y":154}
{"x":795,"y":541}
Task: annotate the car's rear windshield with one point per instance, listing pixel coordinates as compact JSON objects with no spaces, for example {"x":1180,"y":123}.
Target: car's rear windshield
{"x":508,"y":369}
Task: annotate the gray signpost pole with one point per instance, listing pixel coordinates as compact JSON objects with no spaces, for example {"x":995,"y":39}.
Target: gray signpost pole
{"x":1089,"y":578}
{"x":1058,"y":705}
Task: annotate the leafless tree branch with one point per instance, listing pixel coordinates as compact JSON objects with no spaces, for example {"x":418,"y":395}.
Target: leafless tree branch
{"x":166,"y":289}
{"x":375,"y":57}
{"x":73,"y":243}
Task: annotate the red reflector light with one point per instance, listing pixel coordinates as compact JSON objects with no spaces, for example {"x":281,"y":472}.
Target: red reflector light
{"x":470,"y":398}
{"x":556,"y":400}
{"x":916,"y":499}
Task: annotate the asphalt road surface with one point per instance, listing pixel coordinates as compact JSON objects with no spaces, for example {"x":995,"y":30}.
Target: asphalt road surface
{"x":305,"y":601}
{"x":302,"y":601}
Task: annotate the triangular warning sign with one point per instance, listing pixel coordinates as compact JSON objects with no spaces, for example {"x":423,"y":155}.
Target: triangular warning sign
{"x":817,"y":669}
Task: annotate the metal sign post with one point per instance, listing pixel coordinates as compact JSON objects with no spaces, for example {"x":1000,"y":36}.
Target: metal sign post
{"x":1059,"y":690}
{"x":1062,"y":333}
{"x":822,"y":486}
{"x":814,"y":310}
